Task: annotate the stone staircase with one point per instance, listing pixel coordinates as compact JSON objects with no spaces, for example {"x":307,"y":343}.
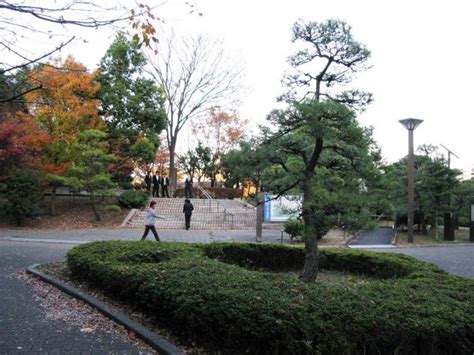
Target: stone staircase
{"x":208,"y":214}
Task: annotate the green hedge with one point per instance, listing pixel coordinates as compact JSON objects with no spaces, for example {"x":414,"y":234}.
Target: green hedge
{"x":133,"y":199}
{"x":231,"y":298}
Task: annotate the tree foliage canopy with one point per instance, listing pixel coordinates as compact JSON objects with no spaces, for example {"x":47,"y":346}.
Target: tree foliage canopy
{"x":318,"y":132}
{"x":132,"y":106}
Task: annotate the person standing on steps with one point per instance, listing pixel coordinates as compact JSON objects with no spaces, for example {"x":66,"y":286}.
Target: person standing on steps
{"x":165,"y":181}
{"x":151,"y":217}
{"x":148,"y":182}
{"x":188,"y":188}
{"x":188,"y":211}
{"x":156,"y":185}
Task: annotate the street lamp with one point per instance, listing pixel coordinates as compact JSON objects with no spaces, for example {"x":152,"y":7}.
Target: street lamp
{"x":471,"y":225}
{"x":410,"y":124}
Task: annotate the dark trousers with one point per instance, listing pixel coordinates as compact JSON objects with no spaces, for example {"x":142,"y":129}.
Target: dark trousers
{"x":187,"y":220}
{"x":153,"y":230}
{"x":188,"y":192}
{"x":156,"y":191}
{"x":164,"y":191}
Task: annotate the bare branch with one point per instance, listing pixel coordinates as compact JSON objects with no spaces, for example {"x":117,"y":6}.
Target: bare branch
{"x":59,"y":14}
{"x":32,"y":61}
{"x":17,"y":96}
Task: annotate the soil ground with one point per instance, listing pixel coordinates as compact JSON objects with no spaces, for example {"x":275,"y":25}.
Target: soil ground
{"x":70,"y":216}
{"x":461,"y":235}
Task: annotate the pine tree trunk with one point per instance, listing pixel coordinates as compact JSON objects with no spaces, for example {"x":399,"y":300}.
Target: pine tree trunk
{"x":53,"y":201}
{"x":311,"y":262}
{"x":311,"y":265}
{"x":424,"y":227}
{"x":94,"y":207}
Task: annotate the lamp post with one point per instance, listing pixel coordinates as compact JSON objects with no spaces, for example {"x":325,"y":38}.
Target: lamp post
{"x":471,"y":225}
{"x":410,"y":124}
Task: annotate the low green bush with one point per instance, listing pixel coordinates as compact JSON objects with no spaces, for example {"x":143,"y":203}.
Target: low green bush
{"x":133,"y":199}
{"x":257,"y":256}
{"x":23,"y":194}
{"x":111,"y":208}
{"x":239,"y":298}
{"x":294,"y":228}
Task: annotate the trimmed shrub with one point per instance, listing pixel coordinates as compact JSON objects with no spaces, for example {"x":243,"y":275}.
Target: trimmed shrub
{"x":179,"y":192}
{"x":294,"y":228}
{"x":225,"y":192}
{"x":133,"y":199}
{"x":24,"y":195}
{"x":257,"y":256}
{"x":213,"y":295}
{"x":111,"y":208}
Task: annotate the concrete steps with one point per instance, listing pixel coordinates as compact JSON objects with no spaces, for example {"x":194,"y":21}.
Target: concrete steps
{"x":207,"y":215}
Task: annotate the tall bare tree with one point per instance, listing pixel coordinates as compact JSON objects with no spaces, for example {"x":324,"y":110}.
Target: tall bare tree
{"x":196,"y":75}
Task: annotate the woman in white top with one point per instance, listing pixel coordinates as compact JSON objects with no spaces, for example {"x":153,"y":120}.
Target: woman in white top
{"x":151,"y":217}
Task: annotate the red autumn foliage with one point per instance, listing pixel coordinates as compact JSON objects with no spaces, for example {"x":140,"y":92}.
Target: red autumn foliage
{"x":21,"y":142}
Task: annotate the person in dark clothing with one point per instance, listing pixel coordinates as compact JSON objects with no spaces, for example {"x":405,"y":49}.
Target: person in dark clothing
{"x":148,"y":181}
{"x":188,"y":211}
{"x":188,"y":188}
{"x":165,"y":181}
{"x":156,"y":185}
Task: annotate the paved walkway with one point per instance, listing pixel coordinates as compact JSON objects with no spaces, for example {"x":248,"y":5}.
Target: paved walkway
{"x":379,"y":236}
{"x":458,"y":260}
{"x":28,"y":328}
{"x":191,"y":236}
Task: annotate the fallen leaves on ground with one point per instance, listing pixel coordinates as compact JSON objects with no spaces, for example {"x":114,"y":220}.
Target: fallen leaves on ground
{"x":74,"y":216}
{"x":75,"y":313}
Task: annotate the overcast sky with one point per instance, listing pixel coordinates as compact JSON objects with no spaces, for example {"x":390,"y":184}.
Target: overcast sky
{"x":422,"y":57}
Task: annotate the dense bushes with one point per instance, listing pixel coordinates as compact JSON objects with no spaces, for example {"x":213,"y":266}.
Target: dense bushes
{"x":133,"y":199}
{"x":407,"y":306}
{"x":23,"y":193}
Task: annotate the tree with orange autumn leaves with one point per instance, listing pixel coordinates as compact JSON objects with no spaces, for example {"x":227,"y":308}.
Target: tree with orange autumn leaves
{"x":67,"y":104}
{"x":220,"y":131}
{"x":64,"y":107}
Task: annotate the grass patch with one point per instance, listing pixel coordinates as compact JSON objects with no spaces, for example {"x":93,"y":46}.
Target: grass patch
{"x":246,"y":298}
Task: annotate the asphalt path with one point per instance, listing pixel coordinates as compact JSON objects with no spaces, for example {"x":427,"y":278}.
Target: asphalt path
{"x":458,"y":260}
{"x":378,"y":236}
{"x":25,"y":325}
{"x":191,"y":236}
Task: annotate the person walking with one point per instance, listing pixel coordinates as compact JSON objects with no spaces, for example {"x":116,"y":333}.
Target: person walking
{"x":188,"y":188}
{"x":188,"y":211}
{"x":156,"y":185}
{"x":151,"y":217}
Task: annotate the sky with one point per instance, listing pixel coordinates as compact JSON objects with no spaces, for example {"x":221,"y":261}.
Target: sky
{"x":422,"y":60}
